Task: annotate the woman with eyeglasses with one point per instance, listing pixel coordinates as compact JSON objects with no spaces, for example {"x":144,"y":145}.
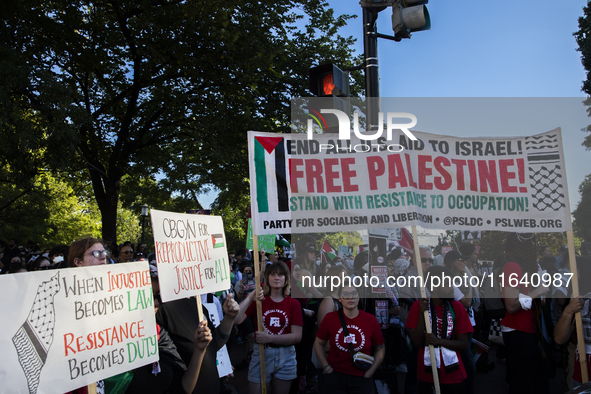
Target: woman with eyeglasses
{"x":86,"y":252}
{"x":365,"y":336}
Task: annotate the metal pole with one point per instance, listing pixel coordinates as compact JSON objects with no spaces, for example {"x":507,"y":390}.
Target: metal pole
{"x":370,"y":47}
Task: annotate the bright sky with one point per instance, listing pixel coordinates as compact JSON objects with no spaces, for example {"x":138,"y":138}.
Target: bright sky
{"x":489,"y":49}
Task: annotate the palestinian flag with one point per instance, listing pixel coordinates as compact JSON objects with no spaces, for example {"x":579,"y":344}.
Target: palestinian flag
{"x":217,"y":240}
{"x":34,"y":338}
{"x":407,"y":242}
{"x":477,"y":349}
{"x":281,"y":241}
{"x":362,"y":248}
{"x":271,"y":174}
{"x":328,"y":250}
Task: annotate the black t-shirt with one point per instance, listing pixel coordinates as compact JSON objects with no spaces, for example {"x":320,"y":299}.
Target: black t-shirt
{"x":180,"y":319}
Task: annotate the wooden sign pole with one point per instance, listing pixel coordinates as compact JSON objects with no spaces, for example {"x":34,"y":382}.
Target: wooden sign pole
{"x":578,"y":318}
{"x":91,"y":388}
{"x":419,"y":266}
{"x":257,"y":279}
{"x":199,"y":307}
{"x":573,"y":269}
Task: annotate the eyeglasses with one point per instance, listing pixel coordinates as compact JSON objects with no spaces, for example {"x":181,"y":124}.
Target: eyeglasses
{"x":128,"y":252}
{"x":427,"y":260}
{"x":297,"y":269}
{"x":100,"y":253}
{"x":349,"y":294}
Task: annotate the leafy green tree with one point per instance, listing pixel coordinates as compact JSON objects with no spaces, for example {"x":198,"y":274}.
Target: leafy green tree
{"x":128,"y":225}
{"x":345,"y":238}
{"x":50,"y":212}
{"x":156,"y":89}
{"x":582,"y":215}
{"x":583,"y":37}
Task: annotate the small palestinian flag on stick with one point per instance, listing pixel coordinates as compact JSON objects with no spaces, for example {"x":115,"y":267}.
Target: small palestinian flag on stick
{"x":217,"y":240}
{"x":34,"y":338}
{"x":329,"y":251}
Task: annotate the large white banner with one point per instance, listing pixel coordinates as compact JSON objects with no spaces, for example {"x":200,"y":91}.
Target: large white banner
{"x":64,"y":329}
{"x":324,"y":184}
{"x":191,"y":254}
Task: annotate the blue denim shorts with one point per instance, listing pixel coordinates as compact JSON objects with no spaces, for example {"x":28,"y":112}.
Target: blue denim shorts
{"x":280,"y":362}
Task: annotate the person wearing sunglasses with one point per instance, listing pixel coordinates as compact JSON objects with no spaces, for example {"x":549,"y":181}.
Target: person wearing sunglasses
{"x":365,"y":336}
{"x":126,"y":253}
{"x":87,"y":252}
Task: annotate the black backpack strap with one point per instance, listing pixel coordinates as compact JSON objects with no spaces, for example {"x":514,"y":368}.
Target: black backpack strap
{"x":346,"y":331}
{"x":209,"y":298}
{"x":337,"y":304}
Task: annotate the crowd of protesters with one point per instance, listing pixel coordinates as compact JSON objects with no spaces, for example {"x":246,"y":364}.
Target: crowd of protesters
{"x":340,"y":339}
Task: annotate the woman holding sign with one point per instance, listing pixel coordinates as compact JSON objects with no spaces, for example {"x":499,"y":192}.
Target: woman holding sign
{"x":282,"y":320}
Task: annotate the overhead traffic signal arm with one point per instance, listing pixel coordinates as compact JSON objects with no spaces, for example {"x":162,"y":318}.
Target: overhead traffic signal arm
{"x":409,"y":16}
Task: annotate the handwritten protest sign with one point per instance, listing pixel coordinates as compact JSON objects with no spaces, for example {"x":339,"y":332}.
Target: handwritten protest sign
{"x":266,"y":242}
{"x":64,"y":329}
{"x":191,"y":254}
{"x":325,"y":184}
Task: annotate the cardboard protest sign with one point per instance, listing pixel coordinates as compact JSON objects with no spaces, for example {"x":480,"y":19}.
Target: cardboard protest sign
{"x":191,"y":254}
{"x":326,"y":184}
{"x":64,"y":329}
{"x":266,"y":242}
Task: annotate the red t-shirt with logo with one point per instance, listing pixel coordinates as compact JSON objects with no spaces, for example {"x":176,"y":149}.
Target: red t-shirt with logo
{"x":522,"y":320}
{"x":364,"y":332}
{"x":462,"y":326}
{"x":278,"y":317}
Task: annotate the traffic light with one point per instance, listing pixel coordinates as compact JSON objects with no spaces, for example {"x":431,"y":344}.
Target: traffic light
{"x":328,"y":80}
{"x":331,"y":84}
{"x":409,"y":16}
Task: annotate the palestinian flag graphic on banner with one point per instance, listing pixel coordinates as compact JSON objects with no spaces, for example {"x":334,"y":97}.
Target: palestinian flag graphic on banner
{"x":34,"y":338}
{"x":328,"y":250}
{"x":217,"y":240}
{"x":271,"y":173}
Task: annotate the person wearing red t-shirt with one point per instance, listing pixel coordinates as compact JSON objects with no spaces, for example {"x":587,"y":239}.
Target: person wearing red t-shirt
{"x":282,"y":323}
{"x":450,"y":329}
{"x":365,"y":335}
{"x":519,"y":324}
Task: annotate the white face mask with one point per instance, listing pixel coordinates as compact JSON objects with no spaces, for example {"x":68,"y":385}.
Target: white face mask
{"x":349,"y":263}
{"x":58,"y":259}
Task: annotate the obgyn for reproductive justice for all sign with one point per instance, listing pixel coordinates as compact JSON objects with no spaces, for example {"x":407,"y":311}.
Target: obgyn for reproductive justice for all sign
{"x":327,"y":184}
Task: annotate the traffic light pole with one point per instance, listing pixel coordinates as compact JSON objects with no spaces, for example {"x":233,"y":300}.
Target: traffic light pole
{"x":372,"y":83}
